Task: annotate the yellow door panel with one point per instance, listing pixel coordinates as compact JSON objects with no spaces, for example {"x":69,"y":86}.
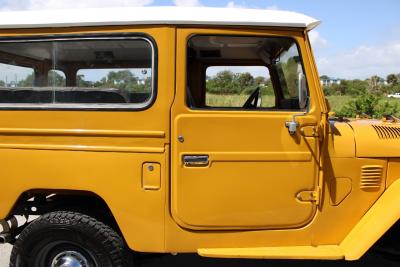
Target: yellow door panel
{"x":236,"y":169}
{"x":252,"y":177}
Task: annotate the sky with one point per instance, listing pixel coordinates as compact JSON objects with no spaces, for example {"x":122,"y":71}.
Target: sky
{"x":357,"y":38}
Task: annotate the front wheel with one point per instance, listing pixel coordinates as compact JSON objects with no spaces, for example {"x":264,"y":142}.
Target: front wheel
{"x":68,"y":239}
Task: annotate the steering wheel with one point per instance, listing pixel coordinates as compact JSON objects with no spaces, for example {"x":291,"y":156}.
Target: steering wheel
{"x":252,"y":101}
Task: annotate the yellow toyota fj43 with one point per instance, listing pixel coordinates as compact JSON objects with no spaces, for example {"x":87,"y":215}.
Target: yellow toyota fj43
{"x":181,"y":130}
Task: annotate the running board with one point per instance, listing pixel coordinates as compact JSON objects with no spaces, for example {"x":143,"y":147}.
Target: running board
{"x":326,"y":252}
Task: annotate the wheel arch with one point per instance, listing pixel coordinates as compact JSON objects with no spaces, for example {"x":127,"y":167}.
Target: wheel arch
{"x":37,"y":202}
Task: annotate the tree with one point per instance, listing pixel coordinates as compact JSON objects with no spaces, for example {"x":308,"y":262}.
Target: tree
{"x":81,"y":82}
{"x":56,"y":79}
{"x":224,"y":82}
{"x":260,"y":80}
{"x":355,"y":87}
{"x":143,"y":86}
{"x":29,"y":81}
{"x":245,"y":80}
{"x":101,"y":83}
{"x":123,"y":79}
{"x":374,"y":84}
{"x":392,"y":79}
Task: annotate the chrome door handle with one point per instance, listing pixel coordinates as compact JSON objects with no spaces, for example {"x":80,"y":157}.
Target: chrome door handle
{"x":195,"y":160}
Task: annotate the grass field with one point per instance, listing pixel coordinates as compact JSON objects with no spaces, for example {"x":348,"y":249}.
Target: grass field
{"x":236,"y":100}
{"x":336,"y":102}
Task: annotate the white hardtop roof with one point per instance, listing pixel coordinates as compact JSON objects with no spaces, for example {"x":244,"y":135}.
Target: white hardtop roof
{"x":154,"y":16}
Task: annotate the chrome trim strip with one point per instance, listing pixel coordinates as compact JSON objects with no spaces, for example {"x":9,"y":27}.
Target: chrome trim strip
{"x":84,"y":148}
{"x":81,"y":132}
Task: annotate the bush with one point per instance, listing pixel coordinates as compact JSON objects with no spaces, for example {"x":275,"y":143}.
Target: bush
{"x":371,"y":105}
{"x":364,"y":104}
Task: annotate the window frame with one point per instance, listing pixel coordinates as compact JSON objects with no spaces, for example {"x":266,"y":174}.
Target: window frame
{"x":236,"y":109}
{"x":90,"y":106}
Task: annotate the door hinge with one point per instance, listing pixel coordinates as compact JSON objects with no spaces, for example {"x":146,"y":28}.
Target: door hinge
{"x":310,"y":131}
{"x":310,"y":196}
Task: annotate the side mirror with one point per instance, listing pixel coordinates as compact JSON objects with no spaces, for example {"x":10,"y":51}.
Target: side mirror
{"x":328,"y":105}
{"x":331,"y":114}
{"x":303,"y":92}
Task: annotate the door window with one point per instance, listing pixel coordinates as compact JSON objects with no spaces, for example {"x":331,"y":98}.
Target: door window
{"x":233,"y":72}
{"x":231,"y":86}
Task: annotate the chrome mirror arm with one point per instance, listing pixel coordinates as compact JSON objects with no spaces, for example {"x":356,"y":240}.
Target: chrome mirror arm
{"x":293,"y":124}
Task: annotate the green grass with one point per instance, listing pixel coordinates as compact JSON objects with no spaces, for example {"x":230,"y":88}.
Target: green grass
{"x":336,"y":102}
{"x":236,"y":100}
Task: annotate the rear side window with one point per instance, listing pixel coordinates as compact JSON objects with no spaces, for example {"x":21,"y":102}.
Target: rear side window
{"x":99,"y":73}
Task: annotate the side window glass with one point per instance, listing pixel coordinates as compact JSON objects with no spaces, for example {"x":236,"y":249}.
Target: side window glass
{"x":77,"y":73}
{"x":16,"y":76}
{"x":134,"y":84}
{"x":245,"y":72}
{"x":15,"y":83}
{"x":56,"y":78}
{"x":289,"y":68}
{"x":231,"y":86}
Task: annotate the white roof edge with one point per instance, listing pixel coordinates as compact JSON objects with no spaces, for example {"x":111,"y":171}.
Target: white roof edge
{"x":154,"y":16}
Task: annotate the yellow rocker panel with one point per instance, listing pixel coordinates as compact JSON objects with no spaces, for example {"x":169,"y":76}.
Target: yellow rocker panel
{"x":297,"y":252}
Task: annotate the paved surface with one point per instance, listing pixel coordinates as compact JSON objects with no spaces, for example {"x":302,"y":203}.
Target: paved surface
{"x":196,"y":261}
{"x":5,"y":251}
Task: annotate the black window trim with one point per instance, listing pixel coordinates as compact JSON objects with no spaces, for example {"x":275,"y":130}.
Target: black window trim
{"x":236,"y":109}
{"x":89,"y":106}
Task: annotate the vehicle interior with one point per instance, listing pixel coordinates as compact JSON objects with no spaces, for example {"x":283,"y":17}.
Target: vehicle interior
{"x":76,"y":71}
{"x":279,"y":56}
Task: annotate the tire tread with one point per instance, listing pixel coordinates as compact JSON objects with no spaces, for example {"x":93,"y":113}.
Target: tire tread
{"x":109,"y":238}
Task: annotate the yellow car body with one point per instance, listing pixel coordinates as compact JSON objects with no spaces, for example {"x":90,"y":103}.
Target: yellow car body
{"x":338,"y":188}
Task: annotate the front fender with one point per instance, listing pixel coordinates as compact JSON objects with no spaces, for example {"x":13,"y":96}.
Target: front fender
{"x":376,"y":139}
{"x":375,"y":223}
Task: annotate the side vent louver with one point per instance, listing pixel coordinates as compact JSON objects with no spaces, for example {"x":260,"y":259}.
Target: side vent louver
{"x":387,"y":132}
{"x":371,"y":177}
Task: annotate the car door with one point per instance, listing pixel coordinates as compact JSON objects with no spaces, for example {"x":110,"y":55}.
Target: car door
{"x":236,"y":168}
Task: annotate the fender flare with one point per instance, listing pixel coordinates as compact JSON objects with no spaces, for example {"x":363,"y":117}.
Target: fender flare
{"x":375,"y":223}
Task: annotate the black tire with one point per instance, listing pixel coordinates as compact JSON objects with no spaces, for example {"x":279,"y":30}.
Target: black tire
{"x":57,"y":235}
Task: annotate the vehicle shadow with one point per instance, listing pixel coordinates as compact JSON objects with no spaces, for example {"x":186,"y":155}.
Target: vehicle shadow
{"x":193,"y":260}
